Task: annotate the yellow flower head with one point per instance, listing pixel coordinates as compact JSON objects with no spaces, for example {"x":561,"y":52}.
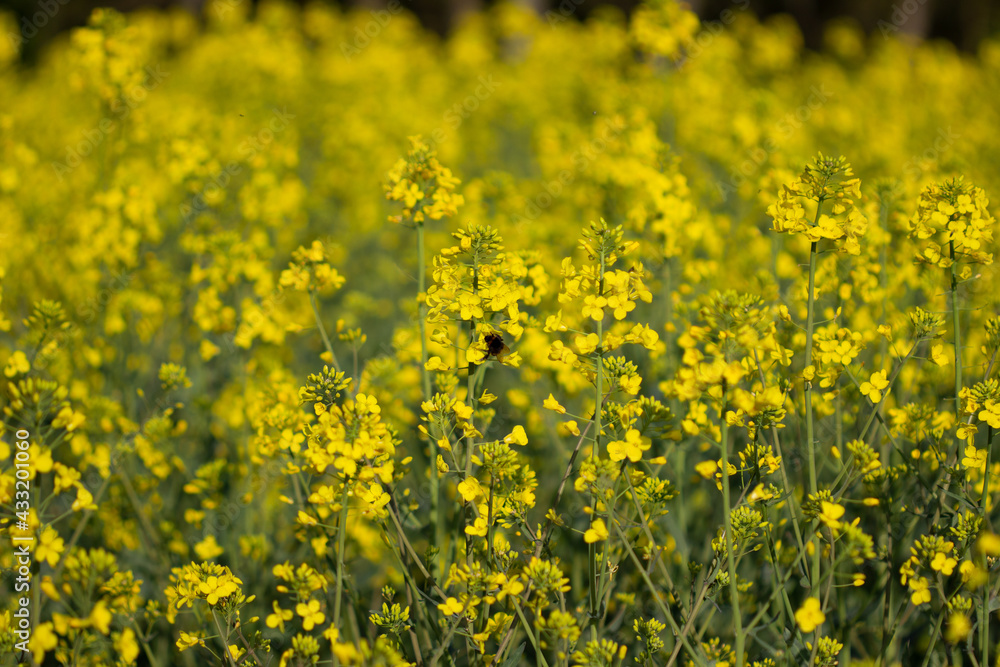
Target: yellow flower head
{"x":631,"y":447}
{"x":874,"y":386}
{"x":551,"y":403}
{"x":598,"y":532}
{"x":830,"y":514}
{"x":422,"y":185}
{"x":810,"y":615}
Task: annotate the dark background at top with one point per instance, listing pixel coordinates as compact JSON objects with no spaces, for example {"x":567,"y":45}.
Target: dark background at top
{"x":963,"y":23}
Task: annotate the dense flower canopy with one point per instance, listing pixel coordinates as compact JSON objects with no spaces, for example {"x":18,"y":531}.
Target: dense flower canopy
{"x":553,"y":342}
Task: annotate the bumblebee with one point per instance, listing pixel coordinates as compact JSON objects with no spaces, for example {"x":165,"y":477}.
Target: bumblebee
{"x":495,"y":346}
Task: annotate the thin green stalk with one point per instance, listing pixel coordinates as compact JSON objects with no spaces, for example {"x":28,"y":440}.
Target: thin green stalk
{"x":782,"y":588}
{"x":810,"y":436}
{"x":727,"y":522}
{"x":539,"y":658}
{"x":543,"y":540}
{"x":883,"y":348}
{"x":437,"y":525}
{"x":934,"y":638}
{"x":947,"y":486}
{"x":986,"y":476}
{"x":322,"y":330}
{"x":887,"y":594}
{"x":785,"y":607}
{"x":489,"y":524}
{"x":692,"y":615}
{"x":341,"y":541}
{"x":786,"y":487}
{"x":710,"y":577}
{"x":143,"y":640}
{"x":958,"y":332}
{"x":446,"y":642}
{"x":598,"y":404}
{"x":250,"y":652}
{"x":591,"y":549}
{"x":471,"y":390}
{"x":655,"y":560}
{"x":599,"y":381}
{"x":681,"y":637}
{"x":839,"y":416}
{"x":225,"y":639}
{"x":984,"y":622}
{"x":408,"y":548}
{"x":592,"y":578}
{"x":883,"y":215}
{"x":531,"y":635}
{"x":412,"y":594}
{"x":671,"y":370}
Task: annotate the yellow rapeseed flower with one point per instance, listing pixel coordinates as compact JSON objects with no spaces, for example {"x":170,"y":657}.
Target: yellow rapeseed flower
{"x":631,"y":447}
{"x":989,"y":544}
{"x":450,"y":607}
{"x":551,"y":403}
{"x":809,"y":616}
{"x":310,"y":613}
{"x":598,"y":532}
{"x":958,"y":628}
{"x":874,"y":386}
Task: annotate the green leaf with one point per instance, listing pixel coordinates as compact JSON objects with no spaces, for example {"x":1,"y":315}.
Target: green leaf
{"x":514,"y":657}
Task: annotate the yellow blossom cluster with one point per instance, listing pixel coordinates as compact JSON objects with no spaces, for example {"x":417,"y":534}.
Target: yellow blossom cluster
{"x":255,"y":409}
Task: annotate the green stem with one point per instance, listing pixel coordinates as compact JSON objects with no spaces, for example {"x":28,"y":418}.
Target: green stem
{"x":144,"y":641}
{"x":539,"y":658}
{"x":225,"y":639}
{"x":786,"y":487}
{"x":839,"y":416}
{"x":341,"y":541}
{"x":810,"y":436}
{"x":934,"y":638}
{"x":437,"y":525}
{"x":984,"y":621}
{"x":471,"y":390}
{"x":446,"y":642}
{"x":322,"y":330}
{"x":598,"y":404}
{"x":531,"y":635}
{"x":887,"y":597}
{"x":592,"y":578}
{"x":591,"y":549}
{"x":412,"y":593}
{"x":250,"y":653}
{"x":787,"y":610}
{"x":656,"y":560}
{"x":986,"y":476}
{"x":883,"y":215}
{"x":681,"y":636}
{"x":599,"y":381}
{"x":958,"y":333}
{"x":782,"y":588}
{"x":730,"y":545}
{"x":489,"y":524}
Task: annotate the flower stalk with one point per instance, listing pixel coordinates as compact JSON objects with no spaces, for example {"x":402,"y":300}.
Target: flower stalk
{"x":734,"y":592}
{"x":437,"y":523}
{"x":810,"y":435}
